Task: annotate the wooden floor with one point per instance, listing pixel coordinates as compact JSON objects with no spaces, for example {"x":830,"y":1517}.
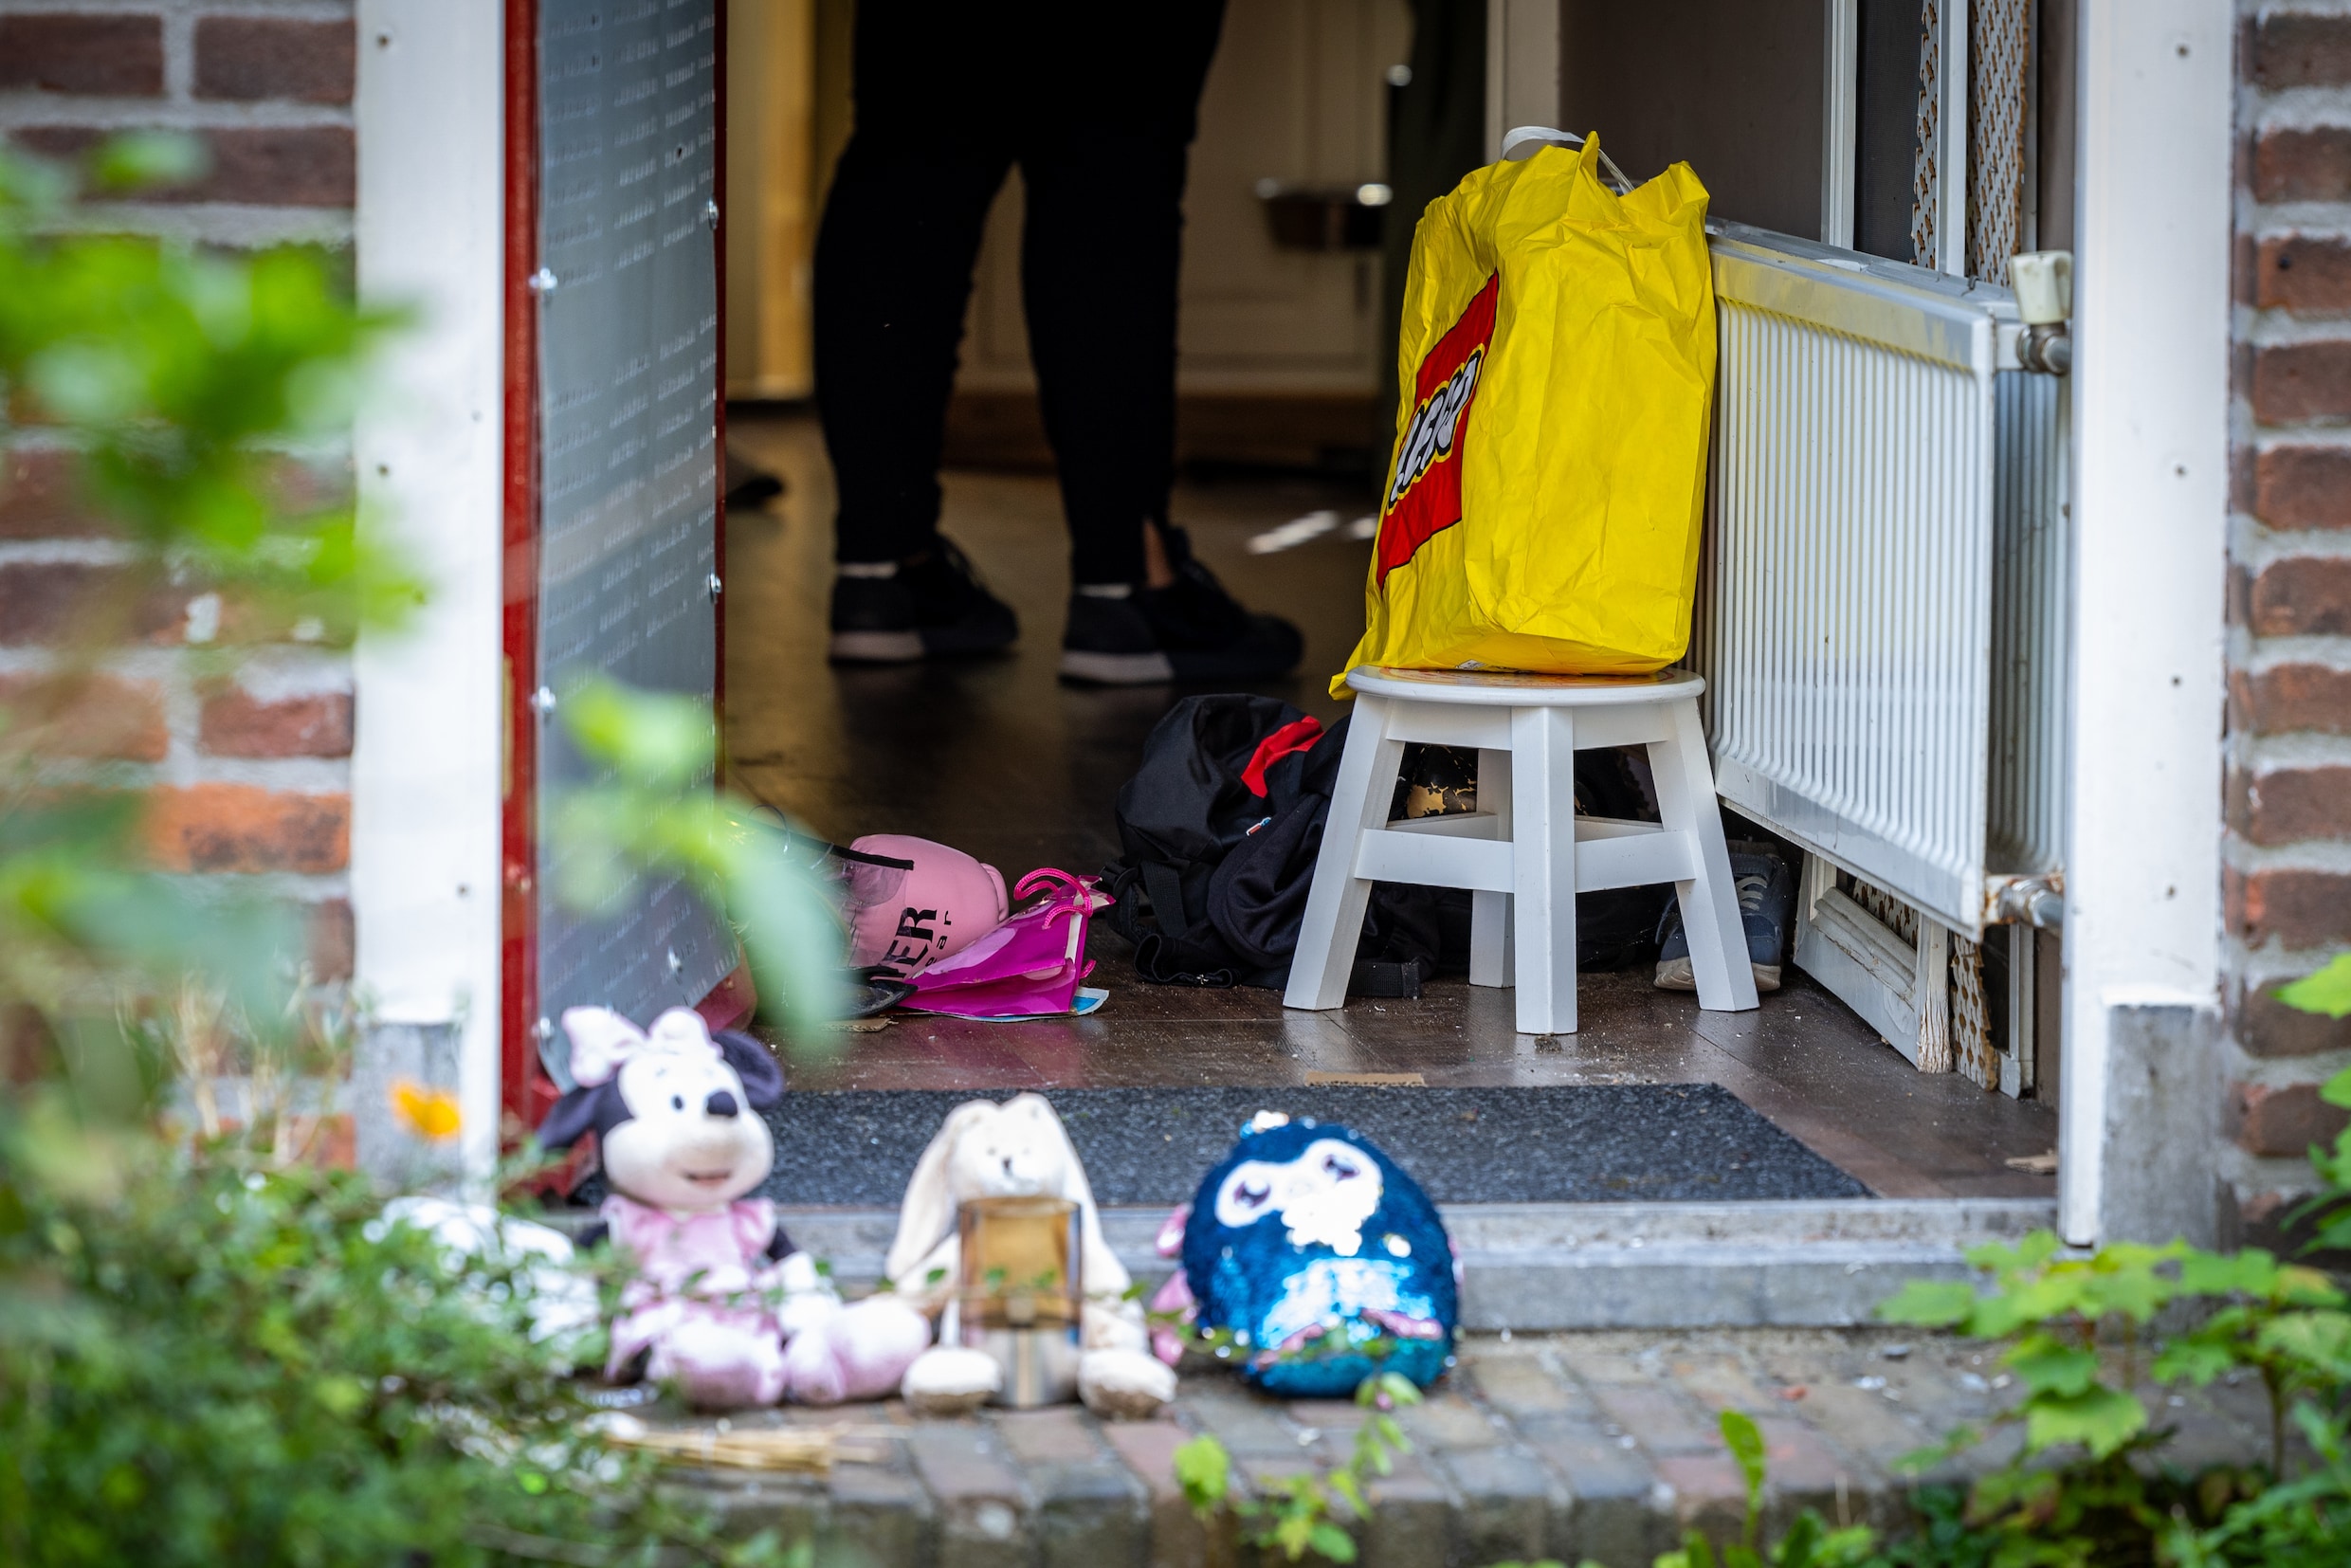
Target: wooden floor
{"x":999,"y":758}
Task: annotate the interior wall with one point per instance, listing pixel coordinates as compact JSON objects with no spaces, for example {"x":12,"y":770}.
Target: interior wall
{"x":770,"y":196}
{"x":1297,"y":94}
{"x":2059,"y":60}
{"x":1885,"y":126}
{"x":1734,"y":87}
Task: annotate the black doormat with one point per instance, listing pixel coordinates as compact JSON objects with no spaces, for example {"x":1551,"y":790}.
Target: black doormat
{"x":1574,"y":1143}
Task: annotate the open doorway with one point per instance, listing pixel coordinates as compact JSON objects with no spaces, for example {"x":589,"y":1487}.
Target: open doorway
{"x":1283,"y":406}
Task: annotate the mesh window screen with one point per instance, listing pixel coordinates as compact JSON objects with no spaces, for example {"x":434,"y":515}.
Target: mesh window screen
{"x":1925,"y":176}
{"x":1999,"y":45}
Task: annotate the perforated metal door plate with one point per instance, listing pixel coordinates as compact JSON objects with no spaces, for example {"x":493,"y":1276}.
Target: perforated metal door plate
{"x":629,"y":365}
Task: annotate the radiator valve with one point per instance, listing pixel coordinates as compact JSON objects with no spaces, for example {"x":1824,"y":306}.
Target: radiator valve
{"x":2044,"y":285}
{"x":2025,"y":900}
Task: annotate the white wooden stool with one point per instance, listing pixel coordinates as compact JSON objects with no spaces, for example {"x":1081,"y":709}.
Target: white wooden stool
{"x":1524,"y":851}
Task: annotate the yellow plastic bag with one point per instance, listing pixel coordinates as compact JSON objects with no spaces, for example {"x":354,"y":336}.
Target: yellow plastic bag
{"x":1543,"y":505}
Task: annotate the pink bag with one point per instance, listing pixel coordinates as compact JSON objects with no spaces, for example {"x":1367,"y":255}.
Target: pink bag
{"x":1027,"y":967}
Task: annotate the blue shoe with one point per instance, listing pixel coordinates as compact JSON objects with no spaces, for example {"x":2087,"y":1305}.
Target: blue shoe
{"x":1766,"y":907}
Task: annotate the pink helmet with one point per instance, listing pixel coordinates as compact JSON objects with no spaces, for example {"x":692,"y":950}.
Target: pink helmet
{"x":942,"y":905}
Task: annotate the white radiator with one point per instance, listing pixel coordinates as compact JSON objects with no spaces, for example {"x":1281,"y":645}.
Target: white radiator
{"x":1881,"y":615}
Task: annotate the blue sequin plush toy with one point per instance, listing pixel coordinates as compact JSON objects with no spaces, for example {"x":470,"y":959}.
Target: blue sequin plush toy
{"x":1323,"y":1259}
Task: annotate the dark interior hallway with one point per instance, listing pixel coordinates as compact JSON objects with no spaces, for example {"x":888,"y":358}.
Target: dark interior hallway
{"x":999,"y":760}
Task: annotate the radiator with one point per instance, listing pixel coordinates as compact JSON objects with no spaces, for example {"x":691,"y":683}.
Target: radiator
{"x":1881,"y":617}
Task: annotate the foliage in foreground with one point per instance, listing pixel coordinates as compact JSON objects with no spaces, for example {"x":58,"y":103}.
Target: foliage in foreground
{"x":1304,"y":1511}
{"x":200,"y":399}
{"x":206,"y":1359}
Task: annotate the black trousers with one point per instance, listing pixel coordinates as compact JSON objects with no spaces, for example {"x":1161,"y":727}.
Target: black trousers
{"x":1097,"y":105}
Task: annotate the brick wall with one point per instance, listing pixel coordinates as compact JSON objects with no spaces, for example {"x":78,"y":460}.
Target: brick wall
{"x":2288,"y":847}
{"x":249,"y":777}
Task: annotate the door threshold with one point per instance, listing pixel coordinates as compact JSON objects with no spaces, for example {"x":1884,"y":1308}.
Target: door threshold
{"x":1530,"y":1267}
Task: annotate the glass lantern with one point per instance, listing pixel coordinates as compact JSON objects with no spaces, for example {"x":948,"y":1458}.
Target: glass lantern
{"x":1019,"y":1294}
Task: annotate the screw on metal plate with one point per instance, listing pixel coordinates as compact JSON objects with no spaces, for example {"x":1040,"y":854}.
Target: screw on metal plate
{"x":715,"y":586}
{"x":542,"y":282}
{"x":543,"y":701}
{"x":677,"y":965}
{"x":710,"y":213}
{"x":544,"y":1030}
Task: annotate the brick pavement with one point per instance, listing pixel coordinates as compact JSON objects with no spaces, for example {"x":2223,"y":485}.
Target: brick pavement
{"x":1591,"y":1446}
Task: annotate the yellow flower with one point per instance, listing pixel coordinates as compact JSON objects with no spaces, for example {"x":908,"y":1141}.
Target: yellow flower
{"x":430,"y":1113}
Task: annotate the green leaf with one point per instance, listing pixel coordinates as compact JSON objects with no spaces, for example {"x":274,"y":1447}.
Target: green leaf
{"x":1204,"y":1471}
{"x":1746,"y":1441}
{"x":140,"y":160}
{"x":1930,"y":1303}
{"x":653,"y":738}
{"x":2251,"y":1273}
{"x":2098,"y":1418}
{"x":2193,"y":1359}
{"x":2047,"y":1365}
{"x":2327,"y":992}
{"x":1332,"y":1541}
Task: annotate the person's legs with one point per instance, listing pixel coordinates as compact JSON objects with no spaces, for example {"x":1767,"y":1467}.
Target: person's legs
{"x":1103,"y":164}
{"x":893,"y":273}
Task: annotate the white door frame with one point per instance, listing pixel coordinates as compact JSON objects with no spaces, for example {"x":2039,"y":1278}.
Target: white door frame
{"x":428,"y":755}
{"x":2150,"y":507}
{"x":1521,"y":67}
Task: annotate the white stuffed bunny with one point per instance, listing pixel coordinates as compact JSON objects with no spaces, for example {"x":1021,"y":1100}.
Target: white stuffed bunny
{"x":1016,"y":1149}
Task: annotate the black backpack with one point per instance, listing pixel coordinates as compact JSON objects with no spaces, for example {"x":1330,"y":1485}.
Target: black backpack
{"x":1223,"y":822}
{"x":1220,"y":827}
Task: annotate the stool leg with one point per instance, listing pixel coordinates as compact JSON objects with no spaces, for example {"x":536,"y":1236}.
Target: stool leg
{"x":1718,"y":942}
{"x":1490,"y":959}
{"x":1542,"y":842}
{"x":1334,"y":919}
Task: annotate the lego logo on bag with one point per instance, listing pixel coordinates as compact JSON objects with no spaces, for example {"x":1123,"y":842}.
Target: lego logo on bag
{"x":1424,"y":492}
{"x":1431,"y":438}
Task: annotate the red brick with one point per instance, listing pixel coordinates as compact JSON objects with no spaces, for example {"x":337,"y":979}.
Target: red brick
{"x":2267,"y":1027}
{"x":2292,"y":696}
{"x":2301,"y":596}
{"x":105,"y":56}
{"x":2302,"y":381}
{"x":2299,"y":909}
{"x":330,"y":941}
{"x":272,"y":166}
{"x":55,"y":602}
{"x":2287,"y":805}
{"x":246,"y":827}
{"x":96,"y":717}
{"x":237,"y":724}
{"x":40,"y":497}
{"x":2311,"y":277}
{"x":2303,"y":488}
{"x":260,"y":57}
{"x":2292,"y":50}
{"x":2303,"y":164}
{"x":2266,"y":1121}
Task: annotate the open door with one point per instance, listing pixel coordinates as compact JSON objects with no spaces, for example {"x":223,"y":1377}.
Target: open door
{"x":614,"y":454}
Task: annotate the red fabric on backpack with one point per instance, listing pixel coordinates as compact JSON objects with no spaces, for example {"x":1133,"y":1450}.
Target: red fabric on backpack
{"x":1299,"y":735}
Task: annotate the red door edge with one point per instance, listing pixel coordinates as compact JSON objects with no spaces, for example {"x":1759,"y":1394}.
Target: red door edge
{"x":526,"y":1090}
{"x":732,"y":1001}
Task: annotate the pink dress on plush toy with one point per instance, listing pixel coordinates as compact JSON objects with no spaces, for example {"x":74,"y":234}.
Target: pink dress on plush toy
{"x":698,"y":1300}
{"x":722,"y":1304}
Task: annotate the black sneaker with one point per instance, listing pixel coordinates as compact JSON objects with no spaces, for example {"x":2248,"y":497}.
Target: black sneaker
{"x":1189,"y":630}
{"x":1766,"y":907}
{"x":896,"y":612}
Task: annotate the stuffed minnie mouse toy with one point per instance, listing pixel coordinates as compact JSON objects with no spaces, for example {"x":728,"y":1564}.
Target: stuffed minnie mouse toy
{"x":722,"y":1304}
